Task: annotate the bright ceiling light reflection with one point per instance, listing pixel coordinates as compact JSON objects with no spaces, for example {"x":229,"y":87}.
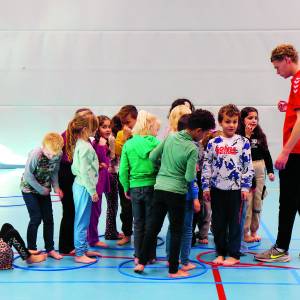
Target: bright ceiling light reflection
{"x":8,"y":157}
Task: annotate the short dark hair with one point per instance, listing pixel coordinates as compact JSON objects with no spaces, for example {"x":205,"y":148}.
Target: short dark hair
{"x":201,"y":118}
{"x":181,"y":101}
{"x":183,"y":122}
{"x":229,"y":110}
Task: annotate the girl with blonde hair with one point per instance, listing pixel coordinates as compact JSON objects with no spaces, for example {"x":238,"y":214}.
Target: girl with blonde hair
{"x":85,"y":168}
{"x":137,"y":175}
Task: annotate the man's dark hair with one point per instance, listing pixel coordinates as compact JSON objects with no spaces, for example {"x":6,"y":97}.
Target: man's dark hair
{"x":201,"y":118}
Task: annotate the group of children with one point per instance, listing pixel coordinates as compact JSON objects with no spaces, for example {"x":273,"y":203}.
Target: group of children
{"x":196,"y":176}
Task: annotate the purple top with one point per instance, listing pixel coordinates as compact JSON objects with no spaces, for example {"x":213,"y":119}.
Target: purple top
{"x":64,"y":158}
{"x":103,"y":185}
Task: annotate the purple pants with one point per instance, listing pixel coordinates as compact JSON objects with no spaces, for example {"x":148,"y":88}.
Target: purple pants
{"x":92,"y":234}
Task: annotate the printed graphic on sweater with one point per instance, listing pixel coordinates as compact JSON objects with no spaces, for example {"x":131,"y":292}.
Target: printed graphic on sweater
{"x":227,"y":164}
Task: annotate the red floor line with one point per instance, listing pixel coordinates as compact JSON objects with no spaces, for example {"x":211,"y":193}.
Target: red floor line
{"x":219,"y":285}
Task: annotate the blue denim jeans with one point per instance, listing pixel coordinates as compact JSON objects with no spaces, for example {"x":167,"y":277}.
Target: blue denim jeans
{"x":40,"y":209}
{"x":187,"y":233}
{"x":142,"y":202}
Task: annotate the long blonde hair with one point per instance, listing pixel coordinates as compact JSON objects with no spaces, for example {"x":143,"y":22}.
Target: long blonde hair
{"x":75,"y":128}
{"x":145,"y":123}
{"x":176,"y":113}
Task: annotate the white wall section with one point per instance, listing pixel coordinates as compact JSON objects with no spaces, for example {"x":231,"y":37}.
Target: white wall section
{"x":56,"y":56}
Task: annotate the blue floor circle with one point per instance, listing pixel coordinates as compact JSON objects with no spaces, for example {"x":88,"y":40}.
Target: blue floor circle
{"x":160,"y":243}
{"x":203,"y":246}
{"x":37,"y":267}
{"x":123,"y":266}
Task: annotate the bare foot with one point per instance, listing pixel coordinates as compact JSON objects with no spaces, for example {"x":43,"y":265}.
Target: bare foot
{"x":188,"y":267}
{"x":203,"y":241}
{"x":151,"y":261}
{"x":180,"y":273}
{"x":230,"y":261}
{"x":100,"y":244}
{"x":219,"y":260}
{"x":139,"y":268}
{"x":136,"y":261}
{"x":255,"y":237}
{"x":84,"y":259}
{"x":120,"y":235}
{"x":125,"y":240}
{"x":93,"y":253}
{"x":35,"y":252}
{"x":36,"y":258}
{"x":71,"y":253}
{"x":248,"y":239}
{"x":55,"y":255}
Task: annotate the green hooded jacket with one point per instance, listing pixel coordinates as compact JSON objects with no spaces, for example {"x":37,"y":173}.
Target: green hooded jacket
{"x":177,"y":156}
{"x":136,"y":169}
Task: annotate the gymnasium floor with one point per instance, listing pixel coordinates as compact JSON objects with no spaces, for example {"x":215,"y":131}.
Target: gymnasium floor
{"x":112,"y":276}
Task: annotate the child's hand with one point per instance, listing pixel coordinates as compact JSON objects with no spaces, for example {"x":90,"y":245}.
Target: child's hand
{"x":103,"y":166}
{"x":245,"y":195}
{"x":249,"y":130}
{"x":126,"y":132}
{"x":95,"y":197}
{"x":206,"y":196}
{"x":127,"y":195}
{"x":59,"y":192}
{"x":271,"y":176}
{"x":102,"y":141}
{"x":197,"y":206}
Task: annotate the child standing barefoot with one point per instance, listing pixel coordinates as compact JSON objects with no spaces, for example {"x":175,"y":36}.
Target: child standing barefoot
{"x":41,"y":172}
{"x":100,"y":145}
{"x":85,"y":169}
{"x":226,"y":179}
{"x":262,"y":160}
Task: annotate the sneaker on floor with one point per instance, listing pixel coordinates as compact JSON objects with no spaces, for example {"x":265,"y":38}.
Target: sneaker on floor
{"x":273,"y":255}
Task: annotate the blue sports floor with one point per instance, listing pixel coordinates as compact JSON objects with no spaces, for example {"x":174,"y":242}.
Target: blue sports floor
{"x":112,"y":277}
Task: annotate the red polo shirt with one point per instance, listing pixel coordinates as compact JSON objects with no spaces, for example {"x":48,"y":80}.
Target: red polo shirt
{"x":291,"y":116}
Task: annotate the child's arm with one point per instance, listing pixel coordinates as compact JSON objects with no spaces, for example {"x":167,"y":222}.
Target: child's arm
{"x":207,"y":171}
{"x":119,"y":142}
{"x":122,"y":136}
{"x":111,"y":143}
{"x":29,"y":177}
{"x":54,"y":179}
{"x":156,"y":154}
{"x":194,"y":190}
{"x":124,"y":170}
{"x":190,"y":172}
{"x":247,"y":171}
{"x":89,"y":174}
{"x":269,"y":165}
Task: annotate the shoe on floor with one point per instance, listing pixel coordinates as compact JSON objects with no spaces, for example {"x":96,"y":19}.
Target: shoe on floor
{"x":273,"y":255}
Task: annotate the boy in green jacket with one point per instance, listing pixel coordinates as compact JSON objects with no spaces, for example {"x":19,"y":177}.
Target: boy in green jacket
{"x":137,"y":175}
{"x":177,"y":155}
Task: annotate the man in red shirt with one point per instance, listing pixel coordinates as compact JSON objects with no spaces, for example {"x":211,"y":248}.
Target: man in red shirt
{"x":285,"y":61}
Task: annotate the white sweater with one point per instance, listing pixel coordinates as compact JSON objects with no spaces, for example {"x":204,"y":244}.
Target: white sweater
{"x":227,"y":164}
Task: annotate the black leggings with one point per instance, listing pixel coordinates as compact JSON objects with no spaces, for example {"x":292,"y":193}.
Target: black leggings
{"x":12,"y":237}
